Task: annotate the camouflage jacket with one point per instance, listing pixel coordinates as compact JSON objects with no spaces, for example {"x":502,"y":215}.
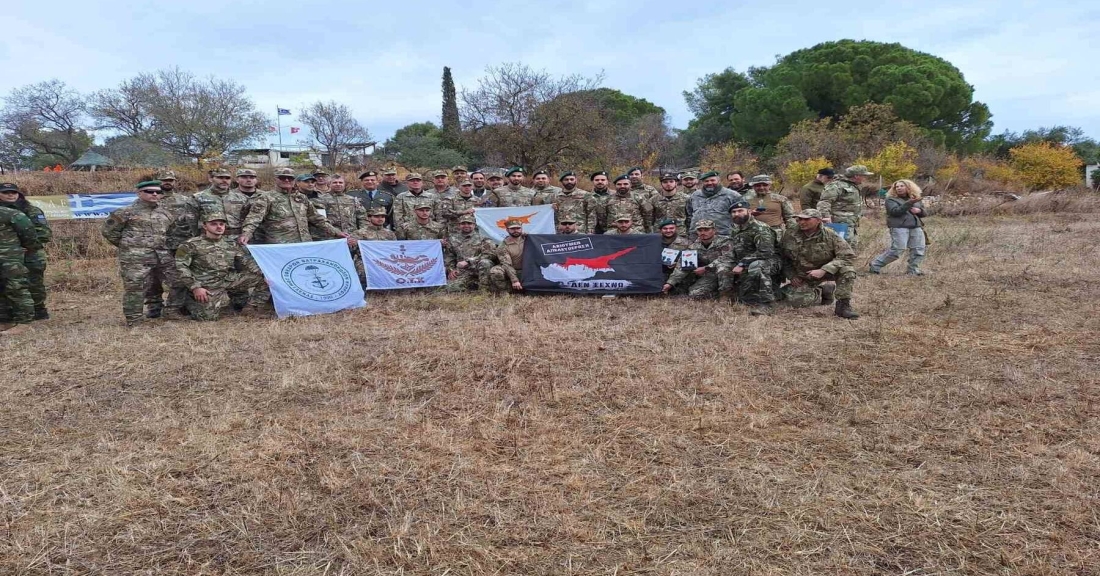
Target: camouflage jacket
{"x":710,"y":257}
{"x":678,"y":243}
{"x":231,"y":203}
{"x":17,"y":235}
{"x":140,"y":227}
{"x":510,"y":256}
{"x":452,"y":209}
{"x":597,"y":212}
{"x":372,"y":232}
{"x":344,"y":212}
{"x":466,"y":247}
{"x":841,"y":201}
{"x":753,"y":241}
{"x":615,"y":232}
{"x":416,"y":231}
{"x":810,"y":194}
{"x":36,"y":216}
{"x":517,"y":196}
{"x":714,"y":206}
{"x":673,"y":207}
{"x":403,"y":206}
{"x":283,"y":218}
{"x":544,"y":195}
{"x":572,"y":205}
{"x":644,"y":190}
{"x":488,"y":198}
{"x":212,"y":264}
{"x":823,"y":249}
{"x":632,"y":205}
{"x":184,"y":212}
{"x":778,"y":210}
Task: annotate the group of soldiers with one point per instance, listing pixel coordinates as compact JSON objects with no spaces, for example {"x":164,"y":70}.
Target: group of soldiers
{"x":182,"y":254}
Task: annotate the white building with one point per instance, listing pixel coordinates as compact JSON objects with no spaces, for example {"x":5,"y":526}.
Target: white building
{"x":274,"y":157}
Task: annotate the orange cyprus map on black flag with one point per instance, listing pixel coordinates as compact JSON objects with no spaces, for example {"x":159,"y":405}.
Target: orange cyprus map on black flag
{"x":593,"y":264}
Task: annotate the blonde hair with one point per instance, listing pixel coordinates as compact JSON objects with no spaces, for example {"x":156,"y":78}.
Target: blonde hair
{"x":914,"y":190}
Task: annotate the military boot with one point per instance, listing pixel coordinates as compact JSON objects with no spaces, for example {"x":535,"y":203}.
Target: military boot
{"x":40,"y":313}
{"x":173,"y":314}
{"x":844,"y":309}
{"x":762,"y":310}
{"x":827,"y":293}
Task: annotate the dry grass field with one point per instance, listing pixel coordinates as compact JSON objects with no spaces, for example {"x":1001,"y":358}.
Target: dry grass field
{"x":954,"y":429}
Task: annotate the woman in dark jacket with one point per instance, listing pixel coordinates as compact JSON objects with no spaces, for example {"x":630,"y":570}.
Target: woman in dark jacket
{"x":903,"y":217}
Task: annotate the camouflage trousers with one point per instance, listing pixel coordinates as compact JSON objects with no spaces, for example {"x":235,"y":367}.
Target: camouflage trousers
{"x":472,"y":277}
{"x":36,"y":277}
{"x":16,"y":303}
{"x":144,"y":272}
{"x":677,"y":290}
{"x":702,"y":287}
{"x":498,"y":280}
{"x":754,"y":285}
{"x":251,"y":285}
{"x":809,"y":294}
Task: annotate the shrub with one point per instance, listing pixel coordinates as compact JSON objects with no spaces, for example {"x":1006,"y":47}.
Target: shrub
{"x":1046,"y":166}
{"x":800,"y":172}
{"x":894,"y":162}
{"x":728,"y":157}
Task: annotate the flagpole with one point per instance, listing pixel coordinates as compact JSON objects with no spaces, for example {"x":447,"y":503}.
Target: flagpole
{"x":279,"y":120}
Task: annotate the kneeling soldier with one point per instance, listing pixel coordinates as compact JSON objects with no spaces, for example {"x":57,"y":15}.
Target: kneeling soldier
{"x":812,"y":255}
{"x":468,"y":255}
{"x":752,"y":261}
{"x":708,"y":248}
{"x":212,"y":266}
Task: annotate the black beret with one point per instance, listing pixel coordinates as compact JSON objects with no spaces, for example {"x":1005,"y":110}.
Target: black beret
{"x":600,"y":173}
{"x":622,"y":177}
{"x":564,"y":174}
{"x":537,"y":172}
{"x":826,"y":172}
{"x":739,"y":204}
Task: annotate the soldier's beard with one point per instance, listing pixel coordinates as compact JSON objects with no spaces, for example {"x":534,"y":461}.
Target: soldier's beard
{"x":568,"y":187}
{"x":740,"y":221}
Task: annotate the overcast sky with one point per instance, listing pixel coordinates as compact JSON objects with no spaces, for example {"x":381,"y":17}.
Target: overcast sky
{"x":1033,"y":63}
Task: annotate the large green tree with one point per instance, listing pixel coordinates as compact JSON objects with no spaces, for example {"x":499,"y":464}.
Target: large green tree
{"x":829,"y":79}
{"x":420,"y":145}
{"x":452,"y":125}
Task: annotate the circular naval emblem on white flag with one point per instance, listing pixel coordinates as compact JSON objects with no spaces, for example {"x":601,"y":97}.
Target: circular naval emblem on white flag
{"x":318,"y":279}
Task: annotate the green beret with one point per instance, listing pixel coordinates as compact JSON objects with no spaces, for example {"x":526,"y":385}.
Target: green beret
{"x":148,"y":184}
{"x":600,"y":173}
{"x":706,"y":175}
{"x":666,"y":222}
{"x":564,"y":174}
{"x":622,"y":177}
{"x":513,"y":170}
{"x":638,"y":168}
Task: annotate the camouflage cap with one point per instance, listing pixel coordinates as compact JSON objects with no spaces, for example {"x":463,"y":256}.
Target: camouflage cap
{"x":413,"y":176}
{"x":438,"y":173}
{"x":466,"y":219}
{"x":284,"y":172}
{"x":666,"y":222}
{"x":808,"y":213}
{"x":320,"y":172}
{"x":8,"y":187}
{"x":166,"y":175}
{"x":389,"y":172}
{"x":220,"y":172}
{"x":623,"y":218}
{"x":668,"y":176}
{"x":858,"y":170}
{"x":567,"y":220}
{"x":367,"y":173}
{"x":379,"y":211}
{"x":421,"y":204}
{"x":245,"y":172}
{"x":466,"y":183}
{"x":459,"y":168}
{"x":496,"y":173}
{"x":690,"y":174}
{"x":215,"y":215}
{"x":704,"y":224}
{"x":513,"y":223}
{"x":760,"y":179}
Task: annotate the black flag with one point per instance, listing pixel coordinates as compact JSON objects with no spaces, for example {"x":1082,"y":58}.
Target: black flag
{"x":593,"y":264}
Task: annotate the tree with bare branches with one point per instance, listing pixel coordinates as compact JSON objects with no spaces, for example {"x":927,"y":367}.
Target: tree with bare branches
{"x":334,"y":127}
{"x":45,"y":120}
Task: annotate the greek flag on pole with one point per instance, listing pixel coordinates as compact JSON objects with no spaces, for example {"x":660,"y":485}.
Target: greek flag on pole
{"x":284,"y":112}
{"x":310,"y":277}
{"x":535,"y":220}
{"x":397,"y":264}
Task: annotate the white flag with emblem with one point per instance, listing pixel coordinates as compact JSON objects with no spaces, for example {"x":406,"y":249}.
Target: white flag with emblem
{"x":309,"y":277}
{"x":396,"y":264}
{"x":535,"y":220}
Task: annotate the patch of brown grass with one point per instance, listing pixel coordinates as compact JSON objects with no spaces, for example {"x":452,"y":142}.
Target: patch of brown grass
{"x":954,"y":429}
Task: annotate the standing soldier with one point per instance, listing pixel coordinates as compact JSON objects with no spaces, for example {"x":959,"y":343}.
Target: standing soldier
{"x":212,"y":267}
{"x":811,"y":193}
{"x":483,"y":192}
{"x":140,"y":231}
{"x":342,"y":210}
{"x":440,"y":187}
{"x":18,"y":241}
{"x":504,"y":276}
{"x":422,"y":227}
{"x":711,"y":202}
{"x":515,"y":193}
{"x":220,"y":199}
{"x":813,"y":255}
{"x":468,"y":257}
{"x":639,"y":187}
{"x":246,"y":182}
{"x":284,"y":215}
{"x":458,"y":174}
{"x":669,"y":203}
{"x":544,"y":192}
{"x":841,"y":202}
{"x":752,"y":263}
{"x":181,"y":207}
{"x":570,"y":202}
{"x":625,"y":202}
{"x":390,"y":183}
{"x":495,"y":181}
{"x":597,"y":204}
{"x":11,"y":197}
{"x":772,"y":209}
{"x":702,"y":277}
{"x":321,"y":184}
{"x":689,"y":182}
{"x":371,"y":196}
{"x":404,"y":203}
{"x":459,"y":205}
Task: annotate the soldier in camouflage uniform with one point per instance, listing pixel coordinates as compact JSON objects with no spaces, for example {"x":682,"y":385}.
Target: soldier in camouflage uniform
{"x":468,"y":256}
{"x":569,"y":225}
{"x":246,"y":183}
{"x":35,"y":261}
{"x":423,"y":227}
{"x":344,"y":212}
{"x":625,"y":202}
{"x":841,"y":202}
{"x":219,"y":198}
{"x":18,"y":241}
{"x":637,"y":186}
{"x":213,"y":266}
{"x":440,"y":187}
{"x":482,"y":191}
{"x":459,"y":205}
{"x":181,"y":207}
{"x":812,"y":255}
{"x":284,"y":215}
{"x":570,"y":202}
{"x":703,"y":280}
{"x":689,"y":182}
{"x":669,"y":203}
{"x":140,"y":231}
{"x":375,"y":228}
{"x":753,"y":262}
{"x":811,"y":193}
{"x":390,"y":184}
{"x":404,"y":202}
{"x":544,"y":192}
{"x":712,"y":202}
{"x":597,"y":204}
{"x":515,"y":193}
{"x":623,"y":226}
{"x":671,"y":245}
{"x":504,"y":277}
{"x":772,"y":209}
